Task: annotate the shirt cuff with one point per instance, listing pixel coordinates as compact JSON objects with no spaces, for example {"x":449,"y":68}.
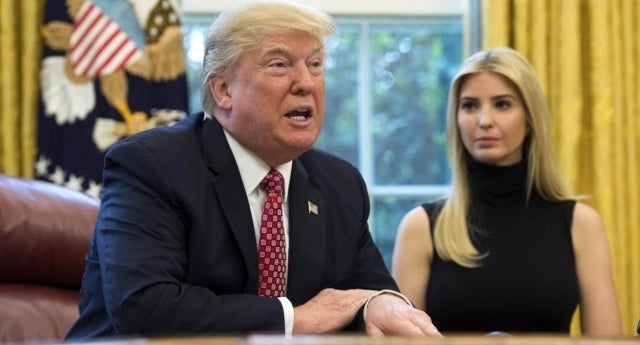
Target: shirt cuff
{"x":383,"y":292}
{"x":287,"y":308}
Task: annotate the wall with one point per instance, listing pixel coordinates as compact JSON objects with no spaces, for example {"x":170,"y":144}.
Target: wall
{"x":373,"y":7}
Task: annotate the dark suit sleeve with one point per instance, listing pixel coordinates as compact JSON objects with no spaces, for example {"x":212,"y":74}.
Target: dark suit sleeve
{"x":369,"y":270}
{"x":141,"y":242}
{"x":372,"y":272}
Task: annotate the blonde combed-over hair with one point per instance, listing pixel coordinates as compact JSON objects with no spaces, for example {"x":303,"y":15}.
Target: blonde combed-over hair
{"x":243,"y":27}
{"x":452,"y":234}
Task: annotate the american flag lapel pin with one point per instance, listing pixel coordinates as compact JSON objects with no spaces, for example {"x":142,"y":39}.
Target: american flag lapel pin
{"x":313,"y":208}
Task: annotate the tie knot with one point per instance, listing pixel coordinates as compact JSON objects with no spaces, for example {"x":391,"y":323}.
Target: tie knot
{"x":272,"y":183}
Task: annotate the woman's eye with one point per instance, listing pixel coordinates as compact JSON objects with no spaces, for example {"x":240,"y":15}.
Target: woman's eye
{"x":467,"y":105}
{"x":503,"y":104}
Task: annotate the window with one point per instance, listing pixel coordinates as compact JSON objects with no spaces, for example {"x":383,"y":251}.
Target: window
{"x":387,"y":80}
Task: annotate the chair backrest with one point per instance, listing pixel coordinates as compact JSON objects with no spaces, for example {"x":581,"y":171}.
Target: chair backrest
{"x":45,"y":231}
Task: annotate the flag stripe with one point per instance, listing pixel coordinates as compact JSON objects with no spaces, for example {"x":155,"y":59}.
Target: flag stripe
{"x":98,"y":44}
{"x":95,"y":51}
{"x":126,"y":59}
{"x":119,"y":57}
{"x":106,"y":47}
{"x":82,"y":26}
{"x":86,"y":50}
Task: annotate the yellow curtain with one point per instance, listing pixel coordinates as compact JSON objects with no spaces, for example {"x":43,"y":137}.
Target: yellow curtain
{"x":19,"y":66}
{"x":587,"y":54}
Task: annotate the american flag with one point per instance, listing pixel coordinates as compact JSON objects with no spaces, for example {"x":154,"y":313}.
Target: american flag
{"x":102,"y":43}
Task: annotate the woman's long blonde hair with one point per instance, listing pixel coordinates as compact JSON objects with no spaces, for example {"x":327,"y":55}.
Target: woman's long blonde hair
{"x":452,"y":234}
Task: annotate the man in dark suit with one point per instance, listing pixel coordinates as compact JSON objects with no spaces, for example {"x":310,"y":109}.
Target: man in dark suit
{"x":176,"y":243}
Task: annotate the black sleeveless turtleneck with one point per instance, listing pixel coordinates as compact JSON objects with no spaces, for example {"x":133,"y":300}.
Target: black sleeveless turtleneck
{"x":527,"y":281}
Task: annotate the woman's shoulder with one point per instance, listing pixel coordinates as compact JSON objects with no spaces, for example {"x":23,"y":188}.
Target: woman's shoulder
{"x":587,"y":228}
{"x":433,"y":207}
{"x":414,"y":229}
{"x":586,"y":216}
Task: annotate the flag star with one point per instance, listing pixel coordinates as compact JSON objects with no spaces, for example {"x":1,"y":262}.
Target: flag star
{"x":75,"y":182}
{"x":42,"y":166}
{"x":158,"y":20}
{"x":58,"y":176}
{"x":94,"y":189}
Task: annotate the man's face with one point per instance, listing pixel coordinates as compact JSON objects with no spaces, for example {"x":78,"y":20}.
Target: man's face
{"x":274,"y":103}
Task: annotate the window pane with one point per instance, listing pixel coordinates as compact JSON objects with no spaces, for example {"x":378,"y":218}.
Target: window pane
{"x":411,"y":68}
{"x":389,"y":210}
{"x":339,"y":133}
{"x":194,"y":36}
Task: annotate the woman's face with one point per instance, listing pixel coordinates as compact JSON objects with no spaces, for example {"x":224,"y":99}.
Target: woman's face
{"x":491,"y":118}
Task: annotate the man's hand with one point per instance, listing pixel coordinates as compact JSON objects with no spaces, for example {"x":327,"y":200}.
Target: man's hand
{"x":390,"y":315}
{"x":329,"y":311}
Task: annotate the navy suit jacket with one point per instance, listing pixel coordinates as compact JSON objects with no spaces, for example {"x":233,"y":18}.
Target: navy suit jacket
{"x":174,"y":249}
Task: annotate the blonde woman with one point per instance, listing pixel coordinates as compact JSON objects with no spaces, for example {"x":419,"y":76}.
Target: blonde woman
{"x":509,"y":249}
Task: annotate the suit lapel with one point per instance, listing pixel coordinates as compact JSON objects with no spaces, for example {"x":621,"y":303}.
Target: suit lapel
{"x":307,"y":229}
{"x":307,"y":236}
{"x":230,"y":191}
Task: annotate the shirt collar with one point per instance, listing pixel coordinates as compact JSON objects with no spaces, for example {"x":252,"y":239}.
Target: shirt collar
{"x":253,"y":169}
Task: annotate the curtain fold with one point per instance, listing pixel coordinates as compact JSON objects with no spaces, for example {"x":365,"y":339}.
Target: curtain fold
{"x":19,"y":67}
{"x":587,"y":55}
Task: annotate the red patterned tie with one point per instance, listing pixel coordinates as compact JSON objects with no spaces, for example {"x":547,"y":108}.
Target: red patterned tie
{"x":272,"y":253}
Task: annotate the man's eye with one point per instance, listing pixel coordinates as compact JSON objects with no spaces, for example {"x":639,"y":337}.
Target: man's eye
{"x":278,"y":64}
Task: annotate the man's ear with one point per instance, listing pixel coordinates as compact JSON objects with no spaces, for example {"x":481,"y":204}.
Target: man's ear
{"x":220,"y":91}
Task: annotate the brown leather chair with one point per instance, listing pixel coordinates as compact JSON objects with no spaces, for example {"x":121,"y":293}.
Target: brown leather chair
{"x":45,"y":231}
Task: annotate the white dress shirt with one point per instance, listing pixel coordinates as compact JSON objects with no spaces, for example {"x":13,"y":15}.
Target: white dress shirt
{"x":252,"y":171}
